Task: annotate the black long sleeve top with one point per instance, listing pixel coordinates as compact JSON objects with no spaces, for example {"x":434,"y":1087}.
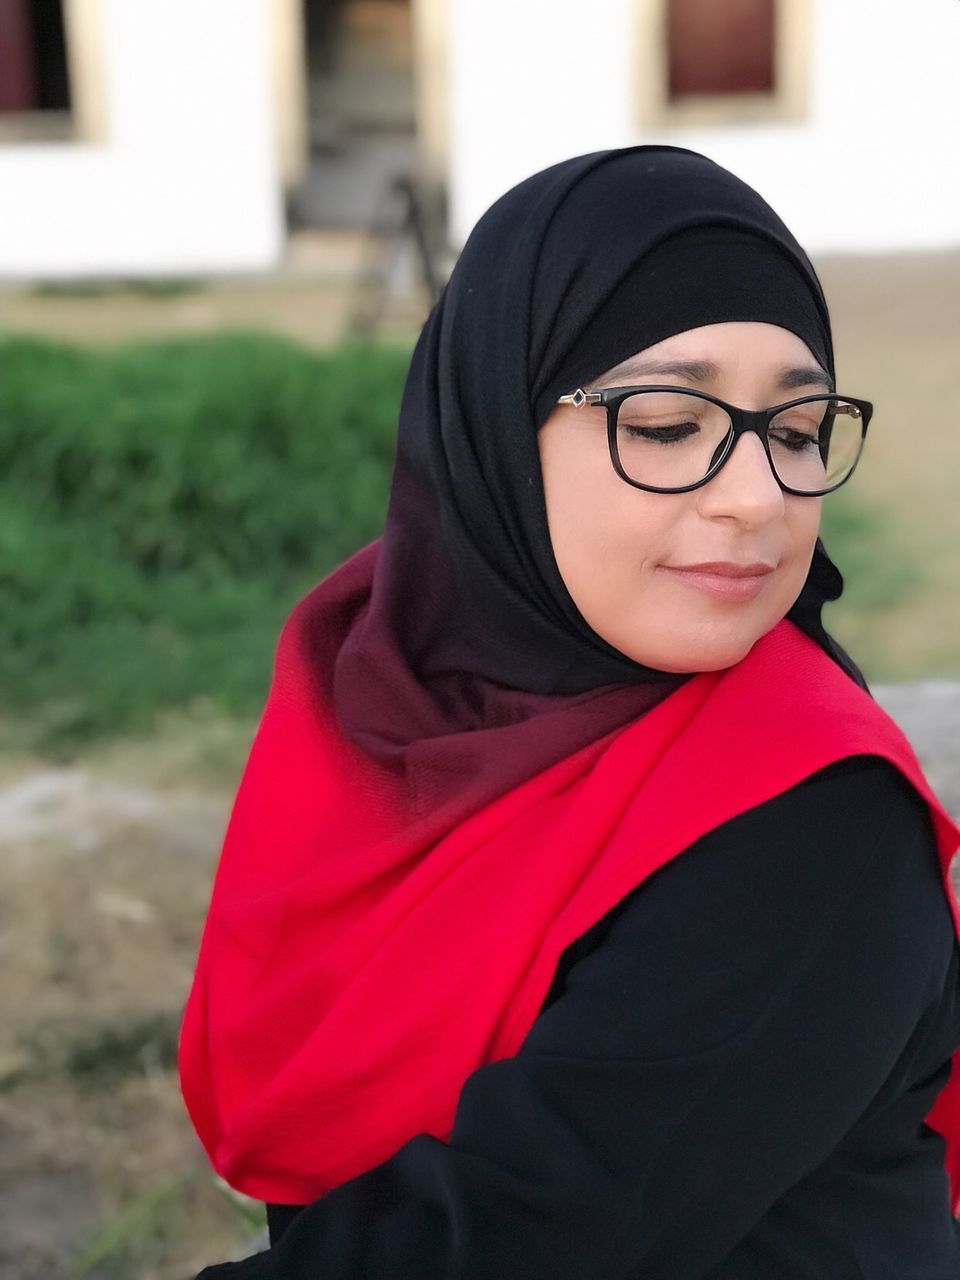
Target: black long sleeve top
{"x":727,"y":1080}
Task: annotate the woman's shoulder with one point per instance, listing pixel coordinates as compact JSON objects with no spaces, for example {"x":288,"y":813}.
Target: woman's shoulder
{"x":854,"y":838}
{"x":859,"y":820}
{"x":856,"y":829}
{"x":867,"y":772}
{"x":860,"y":794}
{"x":858,"y":823}
{"x":834,"y":819}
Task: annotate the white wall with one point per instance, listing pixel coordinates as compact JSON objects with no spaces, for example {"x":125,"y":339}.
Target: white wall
{"x":187,"y":178}
{"x":876,"y":167}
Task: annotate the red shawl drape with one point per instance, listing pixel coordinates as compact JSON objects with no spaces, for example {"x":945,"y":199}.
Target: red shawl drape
{"x":350,"y":974}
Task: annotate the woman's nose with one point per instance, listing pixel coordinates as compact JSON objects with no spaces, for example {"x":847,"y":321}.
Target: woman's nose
{"x":745,"y":488}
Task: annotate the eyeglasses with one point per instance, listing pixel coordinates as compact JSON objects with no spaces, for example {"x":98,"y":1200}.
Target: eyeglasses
{"x":674,"y":439}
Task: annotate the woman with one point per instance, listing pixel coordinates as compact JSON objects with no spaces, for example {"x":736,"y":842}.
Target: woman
{"x":580,"y":914}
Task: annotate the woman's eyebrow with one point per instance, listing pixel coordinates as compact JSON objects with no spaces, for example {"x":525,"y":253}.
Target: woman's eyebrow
{"x":706,"y":370}
{"x":805,"y":376}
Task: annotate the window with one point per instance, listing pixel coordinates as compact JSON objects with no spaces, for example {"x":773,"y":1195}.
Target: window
{"x":50,"y":73}
{"x":716,"y":62}
{"x":720,"y":48}
{"x":33,"y":57}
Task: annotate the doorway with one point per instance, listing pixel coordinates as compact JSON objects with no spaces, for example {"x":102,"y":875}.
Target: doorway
{"x":361,"y":110}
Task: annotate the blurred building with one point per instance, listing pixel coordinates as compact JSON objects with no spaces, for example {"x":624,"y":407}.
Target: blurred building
{"x":153,"y":137}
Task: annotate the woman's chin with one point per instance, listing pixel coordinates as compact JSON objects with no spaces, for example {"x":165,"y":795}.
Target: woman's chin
{"x":689,"y":654}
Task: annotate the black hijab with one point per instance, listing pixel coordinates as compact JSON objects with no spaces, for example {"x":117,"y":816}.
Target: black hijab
{"x":469,"y":667}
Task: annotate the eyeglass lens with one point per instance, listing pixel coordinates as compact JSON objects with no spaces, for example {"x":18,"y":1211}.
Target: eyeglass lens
{"x":669,"y":439}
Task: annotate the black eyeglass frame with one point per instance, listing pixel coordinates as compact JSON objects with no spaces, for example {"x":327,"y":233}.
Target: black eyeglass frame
{"x":742,"y":420}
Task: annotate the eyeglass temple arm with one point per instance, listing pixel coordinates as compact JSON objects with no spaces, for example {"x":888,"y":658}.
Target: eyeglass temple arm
{"x":580,"y":397}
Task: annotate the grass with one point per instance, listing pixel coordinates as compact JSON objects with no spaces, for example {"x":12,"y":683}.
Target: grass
{"x":162,"y":506}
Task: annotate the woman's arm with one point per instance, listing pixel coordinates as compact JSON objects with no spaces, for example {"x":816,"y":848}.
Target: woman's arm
{"x":739,"y":1012}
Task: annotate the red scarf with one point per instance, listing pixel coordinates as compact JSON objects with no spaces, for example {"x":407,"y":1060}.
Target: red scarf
{"x":352,"y":973}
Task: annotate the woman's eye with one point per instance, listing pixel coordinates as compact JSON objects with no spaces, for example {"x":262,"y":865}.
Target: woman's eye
{"x":795,"y":439}
{"x":662,"y":435}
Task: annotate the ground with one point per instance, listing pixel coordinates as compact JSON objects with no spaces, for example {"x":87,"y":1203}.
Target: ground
{"x":105,"y":871}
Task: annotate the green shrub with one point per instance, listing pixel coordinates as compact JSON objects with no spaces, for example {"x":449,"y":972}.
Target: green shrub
{"x":163,"y":504}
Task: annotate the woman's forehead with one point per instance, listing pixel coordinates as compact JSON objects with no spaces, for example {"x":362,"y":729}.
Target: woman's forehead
{"x":708,"y":352}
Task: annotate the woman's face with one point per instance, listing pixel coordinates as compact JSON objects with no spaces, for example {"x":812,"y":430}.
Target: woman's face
{"x":625,"y":555}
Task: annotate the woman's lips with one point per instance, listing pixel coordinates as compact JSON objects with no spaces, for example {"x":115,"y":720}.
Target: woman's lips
{"x":721,"y":586}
